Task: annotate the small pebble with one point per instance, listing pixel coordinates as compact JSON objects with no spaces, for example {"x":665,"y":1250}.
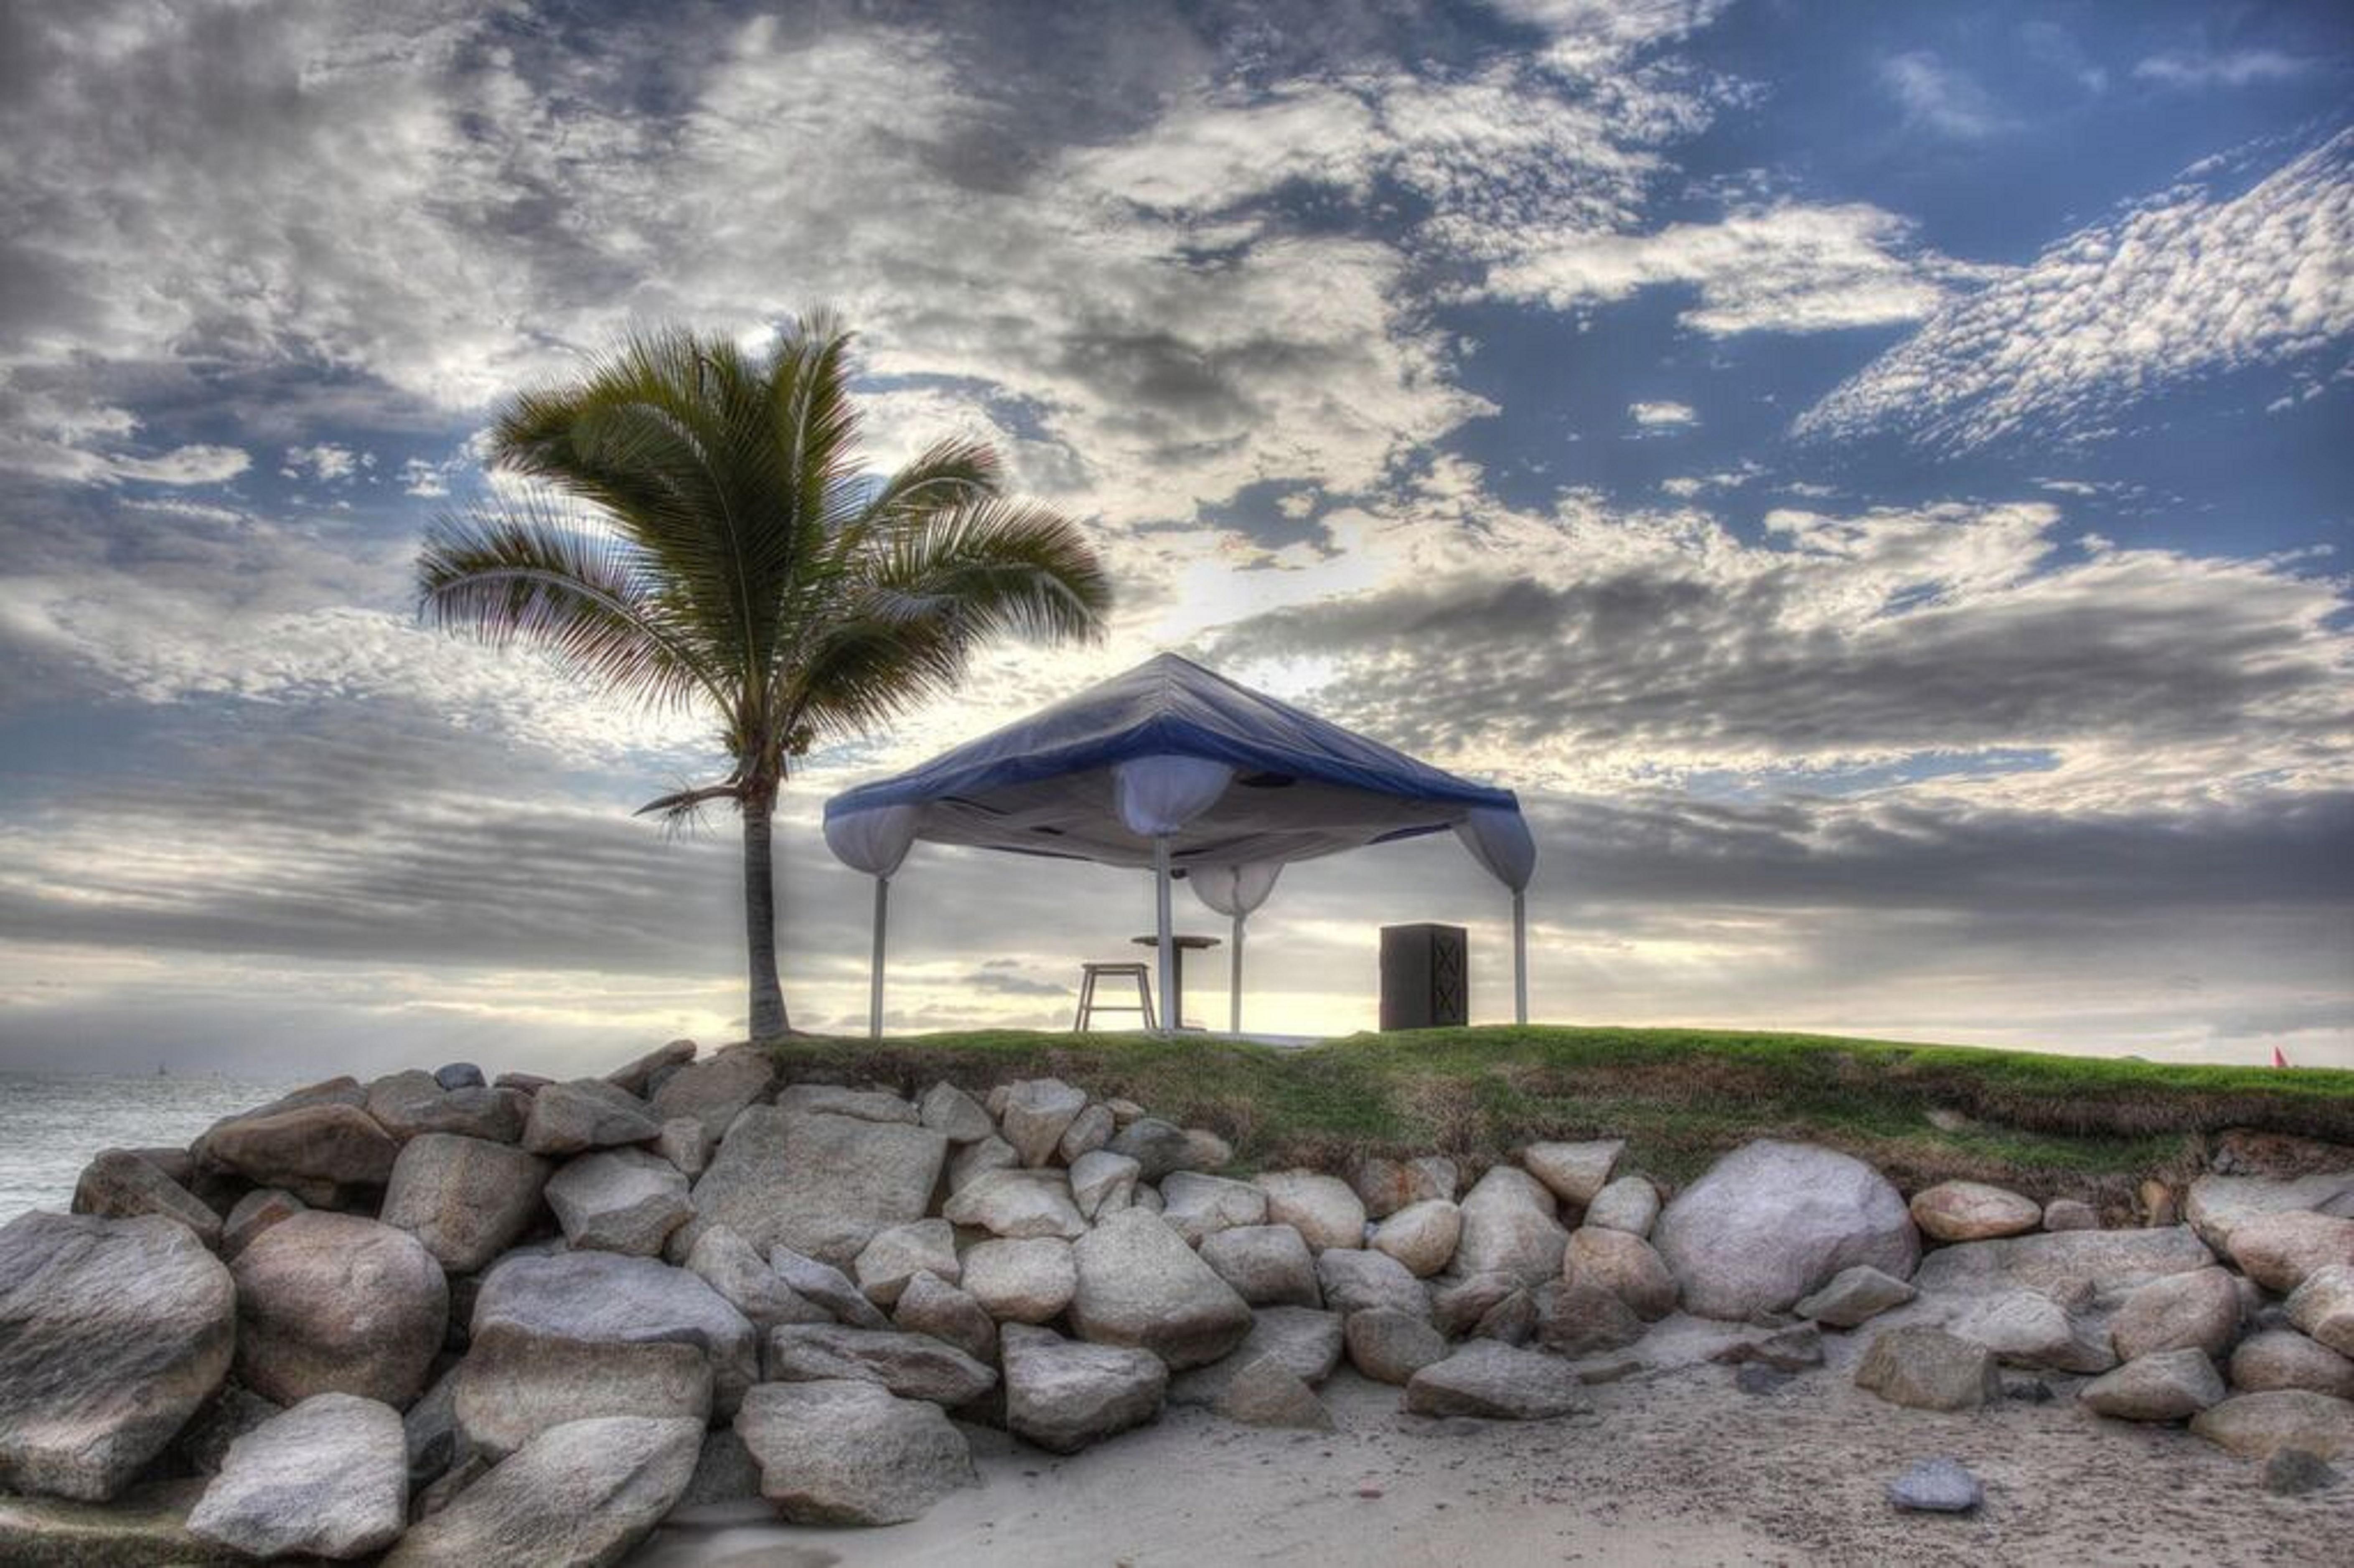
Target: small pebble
{"x":1936,"y":1485}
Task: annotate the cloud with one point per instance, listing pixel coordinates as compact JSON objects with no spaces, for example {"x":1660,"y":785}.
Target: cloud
{"x":1941,"y":98}
{"x":2191,"y":283}
{"x":2230,"y":68}
{"x":326,"y":461}
{"x":1663,"y":416}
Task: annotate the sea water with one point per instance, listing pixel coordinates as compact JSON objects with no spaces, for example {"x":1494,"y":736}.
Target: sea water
{"x":50,"y":1125}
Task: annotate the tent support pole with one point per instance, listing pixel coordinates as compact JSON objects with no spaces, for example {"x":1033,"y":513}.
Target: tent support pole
{"x":1168,"y":948}
{"x":1520,"y":957}
{"x":1235,"y":984}
{"x":874,"y":965}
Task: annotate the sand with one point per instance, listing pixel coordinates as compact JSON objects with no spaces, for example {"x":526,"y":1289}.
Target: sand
{"x":1678,"y":1467}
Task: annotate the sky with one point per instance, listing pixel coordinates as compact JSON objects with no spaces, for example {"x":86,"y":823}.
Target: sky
{"x":1875,"y":478}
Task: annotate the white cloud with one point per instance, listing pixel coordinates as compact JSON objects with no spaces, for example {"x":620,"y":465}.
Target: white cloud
{"x":2190,"y":284}
{"x":325,"y":462}
{"x":1663,"y":416}
{"x":1942,"y":99}
{"x":2230,"y":68}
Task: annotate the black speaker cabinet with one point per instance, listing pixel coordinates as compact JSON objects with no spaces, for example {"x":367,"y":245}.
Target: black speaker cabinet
{"x":1425,"y":982}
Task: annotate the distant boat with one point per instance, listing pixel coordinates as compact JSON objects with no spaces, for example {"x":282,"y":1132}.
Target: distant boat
{"x":160,"y":1071}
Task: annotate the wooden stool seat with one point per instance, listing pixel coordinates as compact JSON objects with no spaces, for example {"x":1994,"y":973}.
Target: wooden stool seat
{"x":1089,"y":1006}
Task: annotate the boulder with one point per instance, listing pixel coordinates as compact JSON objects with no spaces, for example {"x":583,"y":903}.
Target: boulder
{"x":203,"y":1443}
{"x":2165,"y":1385}
{"x":327,"y":1479}
{"x":2324,"y":1307}
{"x":621,"y":1200}
{"x":407,"y":1105}
{"x":2218,"y":1203}
{"x":2278,"y":1251}
{"x":1018,"y":1205}
{"x":1623,"y":1264}
{"x":1102,"y":1181}
{"x":1157,"y":1147}
{"x":119,"y":1185}
{"x":260,"y":1209}
{"x":1264,"y":1394}
{"x":972,"y":1161}
{"x":826,"y":1285}
{"x":1973,"y":1211}
{"x":467,"y":1200}
{"x":860,"y":1105}
{"x":1496,"y":1381}
{"x":1629,"y":1203}
{"x":2257,"y":1425}
{"x":146,"y":1526}
{"x":579,"y":1495}
{"x":821,"y":1185}
{"x":1855,"y":1296}
{"x":638,"y":1077}
{"x":1037,"y":1111}
{"x":1422,"y":1236}
{"x":1267,"y":1265}
{"x":2028,"y":1329}
{"x":1576,"y":1318}
{"x":578,"y":1335}
{"x":1384,"y":1186}
{"x":334,"y":1303}
{"x":2198,"y":1311}
{"x":1140,"y":1285}
{"x":2107,"y":1262}
{"x":717,"y":1091}
{"x":1324,"y":1210}
{"x":1508,"y":1228}
{"x":2069,"y":1215}
{"x":1511,"y":1319}
{"x":1304,"y":1343}
{"x":1063,"y":1395}
{"x":1929,"y":1369}
{"x":112,"y":1332}
{"x":929,"y":1304}
{"x":912,"y":1366}
{"x":1022,"y":1281}
{"x":687,"y":1144}
{"x":845,"y":1452}
{"x":1458,"y":1304}
{"x":2283,"y":1358}
{"x":1936,"y":1485}
{"x":1354,"y":1280}
{"x":1390,"y":1346}
{"x":1198,"y":1205}
{"x":1773,"y":1222}
{"x":954,"y":1114}
{"x":1088,"y":1132}
{"x":744,"y":1279}
{"x":585,"y":1114}
{"x":1574,"y":1171}
{"x":898,"y":1254}
{"x":318,"y":1152}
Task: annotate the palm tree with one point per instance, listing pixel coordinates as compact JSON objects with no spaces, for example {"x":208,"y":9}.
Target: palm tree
{"x":712,"y":544}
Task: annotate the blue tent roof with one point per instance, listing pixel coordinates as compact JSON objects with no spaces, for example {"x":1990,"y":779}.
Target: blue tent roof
{"x":1302,"y":786}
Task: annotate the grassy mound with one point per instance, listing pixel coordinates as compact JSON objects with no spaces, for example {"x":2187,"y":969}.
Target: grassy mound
{"x":2050,"y":1126}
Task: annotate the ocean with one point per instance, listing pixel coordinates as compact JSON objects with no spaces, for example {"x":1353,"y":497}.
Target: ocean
{"x":51,"y":1125}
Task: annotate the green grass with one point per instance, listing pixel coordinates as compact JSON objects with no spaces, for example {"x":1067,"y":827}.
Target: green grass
{"x":2051,"y":1126}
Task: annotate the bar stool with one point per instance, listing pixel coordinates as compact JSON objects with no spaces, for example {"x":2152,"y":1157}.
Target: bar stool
{"x":1089,"y":1006}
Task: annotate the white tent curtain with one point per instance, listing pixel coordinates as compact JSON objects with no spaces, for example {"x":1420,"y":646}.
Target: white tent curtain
{"x":1235,"y":891}
{"x":1156,"y":797}
{"x":1501,"y":841}
{"x":876,"y":843}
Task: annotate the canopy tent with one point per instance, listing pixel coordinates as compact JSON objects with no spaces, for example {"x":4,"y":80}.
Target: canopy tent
{"x":1172,"y":767}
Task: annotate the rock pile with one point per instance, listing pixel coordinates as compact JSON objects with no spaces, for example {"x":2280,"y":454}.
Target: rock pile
{"x":449,"y":1317}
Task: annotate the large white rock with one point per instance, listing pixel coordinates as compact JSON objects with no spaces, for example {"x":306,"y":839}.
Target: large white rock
{"x":619,"y":1200}
{"x":1509,"y":1227}
{"x":1198,"y":1205}
{"x":912,"y":1366}
{"x":2257,"y":1425}
{"x":745,"y":1280}
{"x":1302,"y":1341}
{"x":1267,"y":1265}
{"x":1037,"y":1112}
{"x":826,"y":1285}
{"x":2216,"y":1205}
{"x":1140,"y":1285}
{"x":1018,"y":1205}
{"x":1773,"y":1222}
{"x":900,"y":1254}
{"x":1064,"y":1395}
{"x":466,"y":1199}
{"x":1391,"y":1347}
{"x":1929,"y":1369}
{"x":1324,"y":1210}
{"x":1022,"y":1281}
{"x":1855,"y":1296}
{"x":2283,"y":1358}
{"x":2108,"y":1262}
{"x":334,"y":1303}
{"x":2279,"y":1250}
{"x":716,"y":1092}
{"x":948,"y":1313}
{"x":1102,"y":1181}
{"x":1973,"y":1211}
{"x":1624,"y":1264}
{"x":322,"y":1151}
{"x":1629,"y":1203}
{"x":845,"y":1452}
{"x":2028,"y":1329}
{"x":1356,"y":1279}
{"x":1386,"y":1185}
{"x":833,"y":1099}
{"x":1422,"y":1236}
{"x":581,"y":1495}
{"x":112,"y":1332}
{"x":2168,"y":1385}
{"x":954,"y":1115}
{"x":327,"y":1479}
{"x":2198,"y":1311}
{"x":821,"y":1185}
{"x":1498,"y":1382}
{"x":1575,"y":1171}
{"x":2324,"y":1307}
{"x":576,"y":1335}
{"x":118,"y":1184}
{"x":585,"y":1114}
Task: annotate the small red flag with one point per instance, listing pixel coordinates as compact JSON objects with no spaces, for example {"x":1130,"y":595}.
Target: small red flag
{"x":2279,"y":1060}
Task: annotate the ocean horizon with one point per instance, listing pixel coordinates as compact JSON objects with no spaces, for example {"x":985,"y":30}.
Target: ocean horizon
{"x":52,"y":1123}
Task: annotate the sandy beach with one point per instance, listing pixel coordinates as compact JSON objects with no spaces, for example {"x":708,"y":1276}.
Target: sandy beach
{"x":1680,"y":1468}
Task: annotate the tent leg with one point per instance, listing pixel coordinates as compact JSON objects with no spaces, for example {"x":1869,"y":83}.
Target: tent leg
{"x":874,"y":965}
{"x":1520,"y":957}
{"x":1169,"y":1020}
{"x":1235,"y":984}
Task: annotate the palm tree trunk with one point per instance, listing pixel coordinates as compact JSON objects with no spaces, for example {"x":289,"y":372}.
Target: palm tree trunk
{"x":767,"y":1005}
